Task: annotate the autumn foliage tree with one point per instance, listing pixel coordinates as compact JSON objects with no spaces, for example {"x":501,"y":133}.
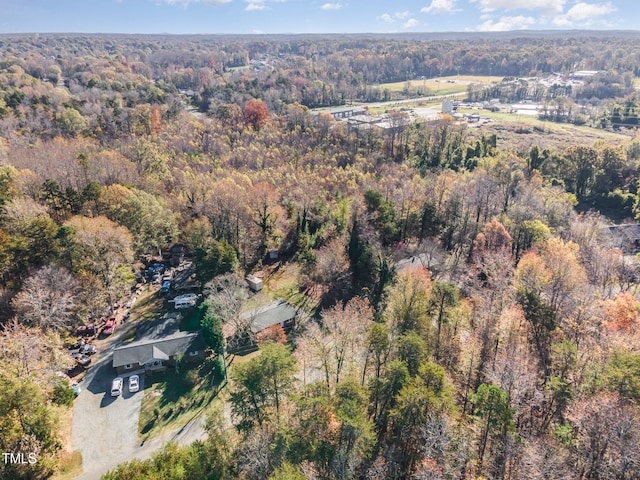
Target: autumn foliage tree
{"x":622,"y":313}
{"x":255,"y":113}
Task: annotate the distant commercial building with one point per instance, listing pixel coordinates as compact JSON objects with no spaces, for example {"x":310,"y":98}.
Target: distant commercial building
{"x":584,"y":73}
{"x":448,"y":107}
{"x":344,"y":112}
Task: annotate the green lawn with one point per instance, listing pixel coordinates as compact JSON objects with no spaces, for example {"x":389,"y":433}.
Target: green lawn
{"x":148,"y":306}
{"x":283,"y":283}
{"x":532,"y":121}
{"x":173,"y":397}
{"x":444,"y":85}
{"x":424,"y":89}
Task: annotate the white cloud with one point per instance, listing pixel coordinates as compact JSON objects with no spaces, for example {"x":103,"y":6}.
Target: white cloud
{"x":548,"y":6}
{"x":441,"y":6}
{"x":506,"y":23}
{"x":386,"y":18}
{"x":257,"y":5}
{"x":411,"y":23}
{"x":397,"y":16}
{"x":332,"y":6}
{"x":184,"y":3}
{"x":584,"y":13}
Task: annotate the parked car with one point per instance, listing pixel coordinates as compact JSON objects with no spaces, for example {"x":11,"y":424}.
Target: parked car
{"x":88,"y":349}
{"x":76,"y":390}
{"x":116,"y":387}
{"x":168,"y":276}
{"x":109,"y":326}
{"x":134,"y":383}
{"x":72,"y":344}
{"x":89,"y":329}
{"x":81,"y":359}
{"x":166,"y":287}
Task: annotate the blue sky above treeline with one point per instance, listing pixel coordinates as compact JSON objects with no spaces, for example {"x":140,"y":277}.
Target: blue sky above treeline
{"x":313,"y":16}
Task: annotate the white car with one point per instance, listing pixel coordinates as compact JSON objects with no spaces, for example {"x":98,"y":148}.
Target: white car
{"x":134,"y":383}
{"x":116,"y":387}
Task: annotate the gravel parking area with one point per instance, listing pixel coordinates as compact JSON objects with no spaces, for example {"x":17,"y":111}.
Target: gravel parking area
{"x":105,"y":428}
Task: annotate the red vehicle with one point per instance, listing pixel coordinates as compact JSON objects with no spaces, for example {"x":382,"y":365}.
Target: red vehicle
{"x":89,"y":329}
{"x":109,"y":326}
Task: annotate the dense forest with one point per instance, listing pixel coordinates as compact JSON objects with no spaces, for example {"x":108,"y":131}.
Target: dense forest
{"x":508,"y":347}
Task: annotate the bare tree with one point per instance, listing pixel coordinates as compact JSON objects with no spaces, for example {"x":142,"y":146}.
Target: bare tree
{"x":48,"y":299}
{"x":315,"y":347}
{"x":607,"y":440}
{"x":254,"y":457}
{"x":225,"y":296}
{"x":347,"y":327}
{"x":28,"y":352}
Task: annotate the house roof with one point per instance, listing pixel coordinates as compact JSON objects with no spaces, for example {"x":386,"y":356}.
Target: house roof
{"x":157,"y":349}
{"x":628,"y":232}
{"x":421,"y":260}
{"x":272,"y":314}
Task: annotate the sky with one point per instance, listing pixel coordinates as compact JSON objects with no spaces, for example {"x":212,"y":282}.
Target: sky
{"x":313,"y":16}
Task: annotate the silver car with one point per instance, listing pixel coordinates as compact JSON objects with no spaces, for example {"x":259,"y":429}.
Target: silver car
{"x":116,"y":387}
{"x":134,"y":383}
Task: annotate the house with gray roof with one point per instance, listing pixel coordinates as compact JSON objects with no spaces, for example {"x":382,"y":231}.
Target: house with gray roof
{"x":626,"y":237}
{"x":156,"y":354}
{"x":242,"y":338}
{"x":277,"y":312}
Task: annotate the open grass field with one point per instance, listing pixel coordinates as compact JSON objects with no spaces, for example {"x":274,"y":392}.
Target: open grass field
{"x":379,"y":110}
{"x":439,"y":86}
{"x":148,"y":306}
{"x":521,"y":132}
{"x":425,"y":87}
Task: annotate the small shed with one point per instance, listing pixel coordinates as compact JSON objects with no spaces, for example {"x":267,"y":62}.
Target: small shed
{"x":254,"y":282}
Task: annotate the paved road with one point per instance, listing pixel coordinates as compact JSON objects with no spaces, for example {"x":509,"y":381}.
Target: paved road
{"x":392,"y":103}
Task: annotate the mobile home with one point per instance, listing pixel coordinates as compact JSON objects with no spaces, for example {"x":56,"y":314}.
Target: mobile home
{"x":185,"y":301}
